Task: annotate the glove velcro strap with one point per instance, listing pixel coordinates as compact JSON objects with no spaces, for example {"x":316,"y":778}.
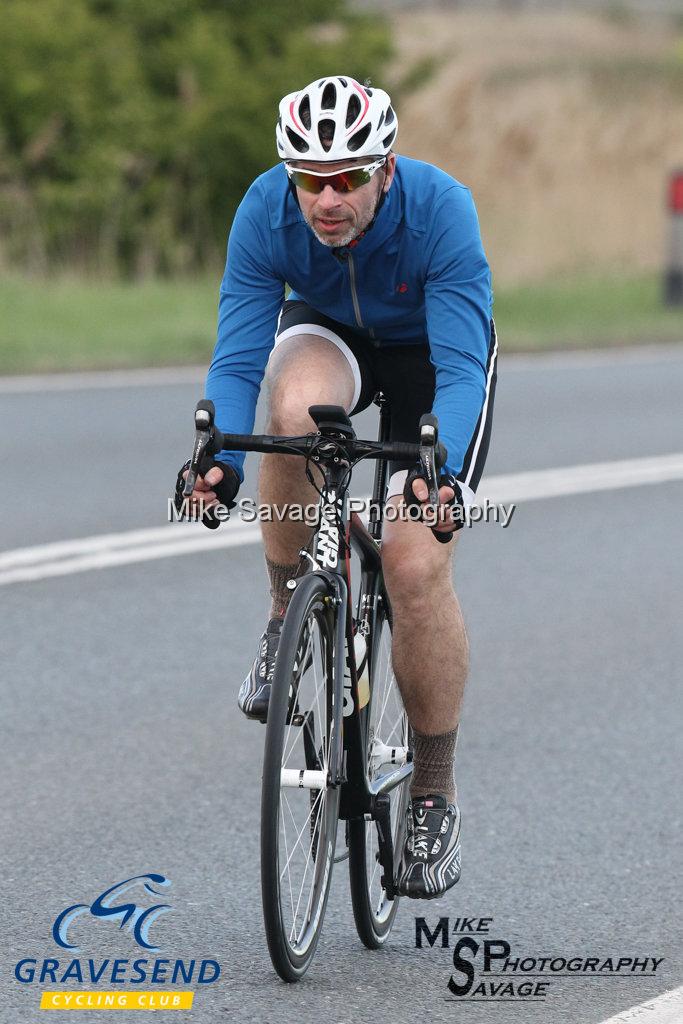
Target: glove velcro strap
{"x":225,"y":490}
{"x":445,"y":480}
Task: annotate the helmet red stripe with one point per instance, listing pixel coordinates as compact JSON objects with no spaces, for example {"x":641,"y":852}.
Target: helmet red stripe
{"x":366,"y":101}
{"x":293,"y":116}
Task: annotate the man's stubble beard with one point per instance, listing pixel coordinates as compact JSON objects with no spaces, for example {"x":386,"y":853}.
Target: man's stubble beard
{"x":344,"y":240}
{"x":353,"y":233}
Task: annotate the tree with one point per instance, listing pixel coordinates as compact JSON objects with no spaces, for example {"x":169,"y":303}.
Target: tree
{"x":129,"y":131}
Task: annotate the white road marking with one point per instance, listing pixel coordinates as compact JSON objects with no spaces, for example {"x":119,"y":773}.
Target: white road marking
{"x":664,"y":1009}
{"x":582,"y":479}
{"x":102,"y":551}
{"x":155,"y":548}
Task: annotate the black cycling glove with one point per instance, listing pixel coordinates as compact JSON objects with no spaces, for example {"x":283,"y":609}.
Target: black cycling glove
{"x":225,"y":491}
{"x":456,"y":502}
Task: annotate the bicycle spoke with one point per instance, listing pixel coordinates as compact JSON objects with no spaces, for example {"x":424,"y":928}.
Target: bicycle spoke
{"x":307,"y":912}
{"x":387,"y":687}
{"x":388,"y":730}
{"x":297,"y":841}
{"x":284,"y":830}
{"x":314,"y":819}
{"x":291,"y":728}
{"x":295,"y":910}
{"x":384,"y":707}
{"x":306,"y":866}
{"x":395,"y":729}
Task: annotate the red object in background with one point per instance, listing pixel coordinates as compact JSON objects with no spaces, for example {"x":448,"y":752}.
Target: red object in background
{"x":676,"y":192}
{"x":673,"y":274}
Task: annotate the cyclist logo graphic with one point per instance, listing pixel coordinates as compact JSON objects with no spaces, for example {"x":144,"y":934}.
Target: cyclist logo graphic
{"x":138,"y":918}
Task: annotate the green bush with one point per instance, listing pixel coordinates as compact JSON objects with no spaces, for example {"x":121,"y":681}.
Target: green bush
{"x":130,"y":130}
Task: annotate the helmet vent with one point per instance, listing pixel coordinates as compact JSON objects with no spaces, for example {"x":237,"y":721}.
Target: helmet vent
{"x":300,"y":145}
{"x":343,"y":82}
{"x":391,"y":116}
{"x":305,"y":112}
{"x":357,"y":140}
{"x":381,"y":119}
{"x":353,"y":110}
{"x":326,"y":134}
{"x":389,"y":139}
{"x":329,"y":100}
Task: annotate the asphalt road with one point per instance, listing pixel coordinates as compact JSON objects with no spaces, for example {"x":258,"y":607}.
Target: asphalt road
{"x":123,"y":751}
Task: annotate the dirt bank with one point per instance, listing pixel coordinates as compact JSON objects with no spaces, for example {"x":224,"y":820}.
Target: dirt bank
{"x":564,"y":125}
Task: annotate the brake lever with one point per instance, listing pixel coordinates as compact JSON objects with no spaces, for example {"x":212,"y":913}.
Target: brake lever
{"x":432,"y":452}
{"x":204,"y":442}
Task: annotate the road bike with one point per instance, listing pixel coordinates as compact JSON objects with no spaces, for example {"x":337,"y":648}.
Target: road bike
{"x":338,"y":740}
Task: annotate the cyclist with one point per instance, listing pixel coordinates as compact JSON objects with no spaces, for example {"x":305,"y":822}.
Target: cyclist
{"x":390,"y":291}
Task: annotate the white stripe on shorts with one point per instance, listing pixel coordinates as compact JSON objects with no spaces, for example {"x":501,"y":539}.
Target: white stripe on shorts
{"x":325,"y":332}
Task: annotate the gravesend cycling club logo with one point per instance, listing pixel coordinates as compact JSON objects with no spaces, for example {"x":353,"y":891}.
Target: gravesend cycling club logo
{"x":487,"y":969}
{"x":133,"y":907}
{"x":138,"y":919}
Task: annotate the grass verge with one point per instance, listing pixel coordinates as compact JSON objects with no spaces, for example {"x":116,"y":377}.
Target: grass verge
{"x":590,"y":312}
{"x":75,"y":325}
{"x":72,"y":324}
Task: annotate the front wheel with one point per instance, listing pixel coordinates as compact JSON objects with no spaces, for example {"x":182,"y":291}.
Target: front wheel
{"x":299,"y":807}
{"x":388,"y":741}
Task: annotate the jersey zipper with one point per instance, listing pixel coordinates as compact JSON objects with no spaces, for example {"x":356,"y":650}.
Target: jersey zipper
{"x":354,"y":294}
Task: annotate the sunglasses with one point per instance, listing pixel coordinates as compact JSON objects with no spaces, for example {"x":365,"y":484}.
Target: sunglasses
{"x":341,"y":181}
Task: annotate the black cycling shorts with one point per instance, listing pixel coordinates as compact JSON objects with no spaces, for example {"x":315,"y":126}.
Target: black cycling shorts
{"x":404,"y":375}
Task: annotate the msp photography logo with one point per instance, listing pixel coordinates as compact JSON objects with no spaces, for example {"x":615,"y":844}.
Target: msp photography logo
{"x":131,"y":906}
{"x":487,"y":969}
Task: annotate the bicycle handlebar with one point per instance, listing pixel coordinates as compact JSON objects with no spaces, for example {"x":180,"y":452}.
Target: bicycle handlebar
{"x":209,"y":441}
{"x":284,"y":445}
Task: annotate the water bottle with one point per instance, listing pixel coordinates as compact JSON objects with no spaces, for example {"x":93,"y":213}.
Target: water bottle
{"x":360,"y":649}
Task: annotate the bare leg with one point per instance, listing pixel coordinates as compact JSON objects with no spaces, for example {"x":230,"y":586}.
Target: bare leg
{"x":430,"y":649}
{"x":305,"y":370}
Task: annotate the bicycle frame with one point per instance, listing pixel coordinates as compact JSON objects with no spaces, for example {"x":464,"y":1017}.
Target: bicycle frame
{"x":330,"y":556}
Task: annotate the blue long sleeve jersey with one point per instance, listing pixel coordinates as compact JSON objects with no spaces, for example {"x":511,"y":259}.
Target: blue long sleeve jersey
{"x":420,"y":275}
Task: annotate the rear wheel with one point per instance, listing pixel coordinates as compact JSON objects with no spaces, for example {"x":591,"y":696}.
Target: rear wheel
{"x":388,"y":743}
{"x":299,"y":808}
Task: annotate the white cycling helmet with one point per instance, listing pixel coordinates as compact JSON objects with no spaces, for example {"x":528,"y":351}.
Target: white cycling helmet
{"x":335,"y":119}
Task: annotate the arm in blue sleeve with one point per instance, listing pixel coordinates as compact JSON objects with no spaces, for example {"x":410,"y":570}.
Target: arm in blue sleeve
{"x":458,"y":304}
{"x":251,"y":296}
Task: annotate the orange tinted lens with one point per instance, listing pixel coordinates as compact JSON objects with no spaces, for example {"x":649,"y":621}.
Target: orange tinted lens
{"x":308,"y":182}
{"x":348,"y":180}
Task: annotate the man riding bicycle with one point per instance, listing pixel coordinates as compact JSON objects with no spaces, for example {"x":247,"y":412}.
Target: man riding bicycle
{"x":390,"y":292}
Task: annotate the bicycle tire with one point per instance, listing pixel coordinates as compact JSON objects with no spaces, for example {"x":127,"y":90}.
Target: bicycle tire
{"x":373,"y":912}
{"x":316,"y":746}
